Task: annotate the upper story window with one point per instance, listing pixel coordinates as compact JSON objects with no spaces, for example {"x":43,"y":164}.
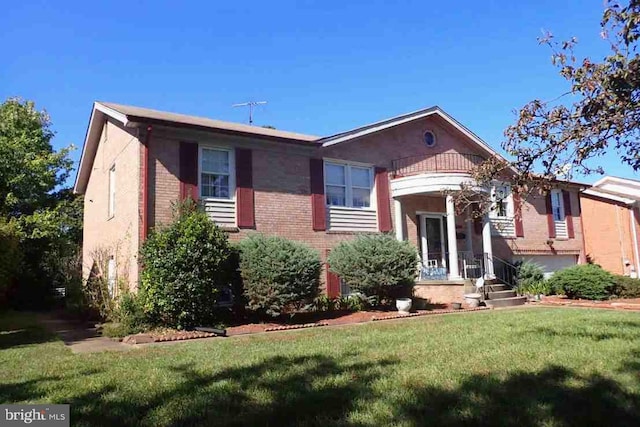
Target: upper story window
{"x":557,"y":205}
{"x":215,"y":173}
{"x":502,"y":202}
{"x":348,"y":185}
{"x":111,"y":206}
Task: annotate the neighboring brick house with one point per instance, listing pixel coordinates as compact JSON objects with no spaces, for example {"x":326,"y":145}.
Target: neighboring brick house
{"x":390,"y":176}
{"x":610,"y":214}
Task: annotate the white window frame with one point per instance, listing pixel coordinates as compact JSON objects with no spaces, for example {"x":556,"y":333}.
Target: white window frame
{"x":232,"y":171}
{"x":348,"y":184}
{"x":557,"y":204}
{"x":111,"y":201}
{"x":510,"y":211}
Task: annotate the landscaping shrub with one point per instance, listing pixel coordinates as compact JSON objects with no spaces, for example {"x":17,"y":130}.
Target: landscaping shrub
{"x":588,"y":281}
{"x":185,"y":266}
{"x":353,"y":302}
{"x":626,"y":287}
{"x":530,"y":278}
{"x":278,"y":274}
{"x":376,"y":265}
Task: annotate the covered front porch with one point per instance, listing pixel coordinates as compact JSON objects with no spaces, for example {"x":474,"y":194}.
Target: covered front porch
{"x":454,"y":246}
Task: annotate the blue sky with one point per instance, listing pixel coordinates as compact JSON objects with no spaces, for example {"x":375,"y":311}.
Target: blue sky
{"x":323,"y":66}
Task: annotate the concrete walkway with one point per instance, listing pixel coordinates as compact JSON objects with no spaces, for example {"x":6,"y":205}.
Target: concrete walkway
{"x":81,"y":337}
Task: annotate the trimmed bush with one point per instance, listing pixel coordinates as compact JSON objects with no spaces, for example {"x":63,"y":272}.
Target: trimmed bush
{"x":588,"y":281}
{"x":278,"y":275}
{"x":376,"y":265}
{"x":185,"y":267}
{"x":626,"y":287}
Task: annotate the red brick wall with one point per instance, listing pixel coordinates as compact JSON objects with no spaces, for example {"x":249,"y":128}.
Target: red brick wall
{"x":608,"y":233}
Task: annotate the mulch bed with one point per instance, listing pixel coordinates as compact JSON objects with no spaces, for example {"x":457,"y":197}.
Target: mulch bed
{"x":614,"y":304}
{"x":302,"y":321}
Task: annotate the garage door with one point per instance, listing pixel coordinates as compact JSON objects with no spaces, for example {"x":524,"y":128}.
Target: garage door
{"x":552,"y":263}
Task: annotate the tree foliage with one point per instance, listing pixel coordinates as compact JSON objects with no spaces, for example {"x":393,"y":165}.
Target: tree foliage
{"x":46,"y":217}
{"x":599,"y":112}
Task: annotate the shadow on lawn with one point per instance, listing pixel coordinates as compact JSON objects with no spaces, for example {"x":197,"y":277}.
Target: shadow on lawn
{"x":321,"y":391}
{"x":553,"y":396}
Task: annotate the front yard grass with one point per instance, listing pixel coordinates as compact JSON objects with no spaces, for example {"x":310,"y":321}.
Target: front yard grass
{"x":524,"y":367}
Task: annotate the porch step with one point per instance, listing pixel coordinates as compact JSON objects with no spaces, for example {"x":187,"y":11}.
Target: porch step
{"x":497,"y":287}
{"x":501,"y":294}
{"x":505,"y":302}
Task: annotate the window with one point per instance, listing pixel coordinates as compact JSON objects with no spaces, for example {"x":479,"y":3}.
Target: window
{"x":429,"y":139}
{"x":502,"y":201}
{"x":557,"y":205}
{"x":215,"y":174}
{"x":348,"y":185}
{"x":112,"y":192}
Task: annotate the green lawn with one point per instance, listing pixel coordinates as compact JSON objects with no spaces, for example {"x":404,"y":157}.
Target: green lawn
{"x":524,"y":367}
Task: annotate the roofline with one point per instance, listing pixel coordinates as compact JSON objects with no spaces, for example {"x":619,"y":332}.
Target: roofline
{"x":596,"y":193}
{"x":627,"y":181}
{"x":405,"y":118}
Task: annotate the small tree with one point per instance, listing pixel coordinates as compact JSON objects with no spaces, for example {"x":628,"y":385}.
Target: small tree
{"x":376,"y":264}
{"x":185,"y":267}
{"x":278,"y":274}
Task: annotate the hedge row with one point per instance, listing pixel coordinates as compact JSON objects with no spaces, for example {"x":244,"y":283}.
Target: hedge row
{"x":189,"y":265}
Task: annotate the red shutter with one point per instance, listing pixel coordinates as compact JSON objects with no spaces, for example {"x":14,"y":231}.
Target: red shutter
{"x":188,"y":170}
{"x":333,"y":281}
{"x":244,"y":189}
{"x":318,"y":203}
{"x":517,"y":208}
{"x":567,"y":213}
{"x":384,"y":203}
{"x":550,"y":224}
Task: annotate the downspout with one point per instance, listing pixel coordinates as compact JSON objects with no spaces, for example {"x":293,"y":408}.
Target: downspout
{"x":145,"y":185}
{"x":635,"y":238}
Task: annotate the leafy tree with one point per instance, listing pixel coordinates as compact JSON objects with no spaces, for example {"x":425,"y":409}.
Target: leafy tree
{"x":598,"y":113}
{"x":46,"y":216}
{"x":30,"y":169}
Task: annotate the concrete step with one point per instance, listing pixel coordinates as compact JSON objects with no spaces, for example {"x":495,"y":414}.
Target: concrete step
{"x":505,"y":302}
{"x":501,"y":294}
{"x":497,"y":288}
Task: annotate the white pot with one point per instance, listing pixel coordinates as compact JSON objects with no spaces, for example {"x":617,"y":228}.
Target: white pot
{"x":472,"y":300}
{"x":403,"y":305}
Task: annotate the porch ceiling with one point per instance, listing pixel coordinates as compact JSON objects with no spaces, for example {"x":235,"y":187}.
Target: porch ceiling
{"x":432,"y":183}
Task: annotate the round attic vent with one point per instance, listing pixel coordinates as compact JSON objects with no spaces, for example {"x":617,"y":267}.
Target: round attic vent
{"x":429,"y":139}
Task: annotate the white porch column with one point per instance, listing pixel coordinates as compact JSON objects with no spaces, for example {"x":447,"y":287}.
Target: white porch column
{"x":487,"y":248}
{"x":469,"y":232}
{"x":454,"y":273}
{"x":399,"y":219}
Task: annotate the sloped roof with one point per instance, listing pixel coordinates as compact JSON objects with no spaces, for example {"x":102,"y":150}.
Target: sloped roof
{"x":128,"y":113}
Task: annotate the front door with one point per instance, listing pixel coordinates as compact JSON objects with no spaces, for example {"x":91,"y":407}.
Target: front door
{"x":433,"y":236}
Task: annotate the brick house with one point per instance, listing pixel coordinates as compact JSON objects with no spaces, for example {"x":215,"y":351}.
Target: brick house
{"x":610,"y":214}
{"x":389,"y":176}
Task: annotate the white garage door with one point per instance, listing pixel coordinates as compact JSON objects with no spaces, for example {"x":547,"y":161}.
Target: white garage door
{"x":552,"y":263}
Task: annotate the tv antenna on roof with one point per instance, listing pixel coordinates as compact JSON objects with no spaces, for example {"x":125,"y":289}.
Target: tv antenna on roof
{"x":250,"y":104}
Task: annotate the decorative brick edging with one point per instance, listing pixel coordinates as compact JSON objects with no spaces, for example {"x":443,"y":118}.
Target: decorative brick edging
{"x":427,"y":313}
{"x":180,"y":336}
{"x":288,"y":327}
{"x":605,"y":306}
